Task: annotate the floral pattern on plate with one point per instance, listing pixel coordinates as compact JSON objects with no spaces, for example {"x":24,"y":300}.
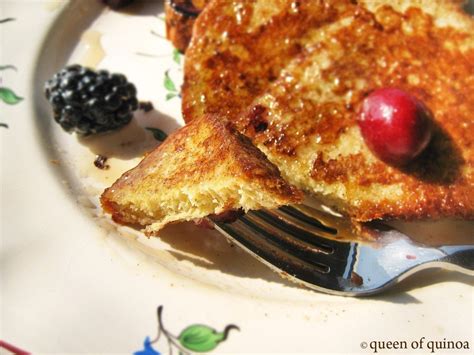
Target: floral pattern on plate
{"x":194,"y":338}
{"x":7,"y":95}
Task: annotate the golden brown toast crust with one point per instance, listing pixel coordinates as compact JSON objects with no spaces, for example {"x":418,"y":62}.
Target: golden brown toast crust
{"x":206,"y":151}
{"x":291,"y":76}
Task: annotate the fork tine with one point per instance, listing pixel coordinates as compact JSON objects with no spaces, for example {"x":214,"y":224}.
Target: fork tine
{"x":305,"y":236}
{"x":300,"y":215}
{"x":313,"y":254}
{"x":280,"y":217}
{"x":301,"y":232}
{"x":323,"y":276}
{"x":272,"y":254}
{"x":343,"y":227}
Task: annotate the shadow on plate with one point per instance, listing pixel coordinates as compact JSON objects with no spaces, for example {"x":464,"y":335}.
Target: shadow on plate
{"x":133,"y":140}
{"x":210,"y":250}
{"x":399,"y":293}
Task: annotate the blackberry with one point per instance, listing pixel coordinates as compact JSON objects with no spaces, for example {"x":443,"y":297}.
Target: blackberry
{"x":88,"y":102}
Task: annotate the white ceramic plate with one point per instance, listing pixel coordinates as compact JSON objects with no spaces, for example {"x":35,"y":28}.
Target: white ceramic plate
{"x":73,"y":282}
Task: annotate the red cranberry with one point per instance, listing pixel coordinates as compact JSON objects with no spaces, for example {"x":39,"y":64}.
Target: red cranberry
{"x":395,"y":125}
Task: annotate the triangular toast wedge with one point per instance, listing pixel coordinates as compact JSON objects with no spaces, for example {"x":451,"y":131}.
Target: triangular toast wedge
{"x":205,"y":168}
{"x":291,"y":75}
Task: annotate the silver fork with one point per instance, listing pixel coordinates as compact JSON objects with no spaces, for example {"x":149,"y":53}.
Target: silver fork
{"x":313,"y":248}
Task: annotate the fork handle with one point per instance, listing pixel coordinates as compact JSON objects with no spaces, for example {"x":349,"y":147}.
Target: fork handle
{"x":461,"y":256}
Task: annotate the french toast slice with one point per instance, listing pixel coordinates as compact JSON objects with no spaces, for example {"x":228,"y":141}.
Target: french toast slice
{"x":179,"y":17}
{"x":205,"y":168}
{"x":291,"y":76}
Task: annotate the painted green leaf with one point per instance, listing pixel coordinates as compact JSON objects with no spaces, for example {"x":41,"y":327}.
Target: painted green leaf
{"x":158,"y":134}
{"x":177,"y":56}
{"x":9,"y":97}
{"x":200,"y":338}
{"x":170,"y":95}
{"x":5,"y":20}
{"x":169,"y":85}
{"x":4,"y":67}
